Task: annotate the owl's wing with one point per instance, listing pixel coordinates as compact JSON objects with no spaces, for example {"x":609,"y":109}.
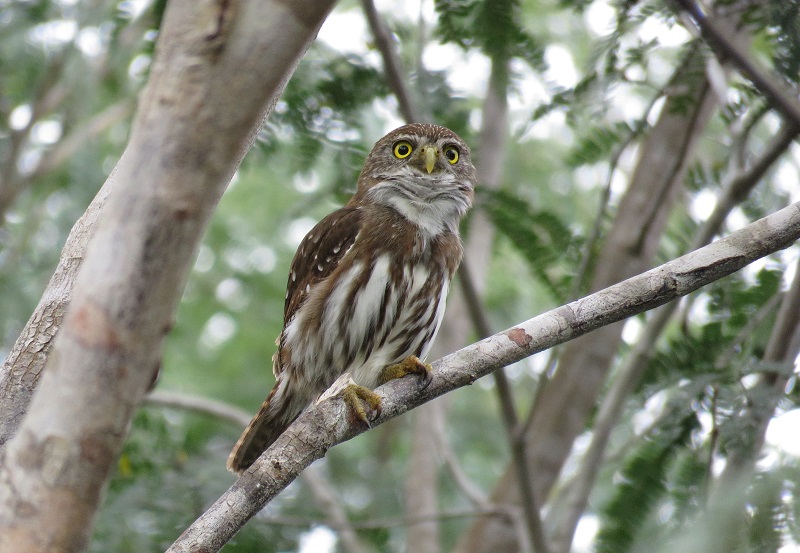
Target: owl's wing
{"x":318,"y":255}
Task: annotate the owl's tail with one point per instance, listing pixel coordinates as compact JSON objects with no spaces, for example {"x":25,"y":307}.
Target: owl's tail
{"x":277,"y":412}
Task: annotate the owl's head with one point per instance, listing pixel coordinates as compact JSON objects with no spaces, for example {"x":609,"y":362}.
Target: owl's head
{"x":423,"y":171}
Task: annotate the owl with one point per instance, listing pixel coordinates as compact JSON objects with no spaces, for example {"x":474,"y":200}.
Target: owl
{"x":367,"y":287}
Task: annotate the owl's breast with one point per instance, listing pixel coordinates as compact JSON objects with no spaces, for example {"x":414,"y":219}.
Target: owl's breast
{"x":376,"y":312}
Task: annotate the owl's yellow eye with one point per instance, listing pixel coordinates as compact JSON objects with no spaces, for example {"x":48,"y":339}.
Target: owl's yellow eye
{"x":402,"y":149}
{"x":451,"y":153}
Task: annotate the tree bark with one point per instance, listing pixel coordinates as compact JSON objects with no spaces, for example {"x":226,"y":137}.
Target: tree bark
{"x":219,"y":67}
{"x":24,"y":364}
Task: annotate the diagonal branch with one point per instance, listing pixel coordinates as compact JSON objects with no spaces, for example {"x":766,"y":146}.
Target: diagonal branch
{"x":321,"y":489}
{"x":633,"y":369}
{"x":327,"y":423}
{"x":392,"y":67}
{"x":716,"y":32}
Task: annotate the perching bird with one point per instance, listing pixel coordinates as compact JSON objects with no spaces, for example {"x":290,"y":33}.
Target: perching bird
{"x":367,"y":286}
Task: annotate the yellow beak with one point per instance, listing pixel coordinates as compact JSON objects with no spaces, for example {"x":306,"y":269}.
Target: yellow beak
{"x":430,"y":158}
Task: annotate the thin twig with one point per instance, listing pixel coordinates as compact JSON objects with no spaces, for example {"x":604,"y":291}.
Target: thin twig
{"x":510,"y":420}
{"x":219,"y":409}
{"x":473,"y":493}
{"x":92,"y":127}
{"x":50,"y":92}
{"x":392,"y":66}
{"x":326,"y":499}
{"x":594,"y":235}
{"x":387,"y":522}
{"x":747,"y":331}
{"x":762,"y":400}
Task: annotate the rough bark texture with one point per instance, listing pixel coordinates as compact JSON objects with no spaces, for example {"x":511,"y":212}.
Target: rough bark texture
{"x":23,"y":366}
{"x":187,"y":140}
{"x":326,"y":423}
{"x":569,"y":398}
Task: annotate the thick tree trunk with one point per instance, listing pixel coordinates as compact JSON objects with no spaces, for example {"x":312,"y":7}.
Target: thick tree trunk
{"x":219,"y":67}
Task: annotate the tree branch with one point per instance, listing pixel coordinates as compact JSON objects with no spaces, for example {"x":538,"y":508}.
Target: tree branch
{"x":392,"y":67}
{"x":565,"y":520}
{"x":716,"y":32}
{"x":321,"y":489}
{"x":327,"y":423}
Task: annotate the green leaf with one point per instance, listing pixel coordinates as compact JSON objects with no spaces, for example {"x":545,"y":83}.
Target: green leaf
{"x":643,"y":482}
{"x":539,"y":235}
{"x":491,"y":25}
{"x":598,"y":144}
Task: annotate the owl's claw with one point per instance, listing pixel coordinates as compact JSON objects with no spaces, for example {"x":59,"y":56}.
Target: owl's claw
{"x":364,"y":404}
{"x":409,"y":365}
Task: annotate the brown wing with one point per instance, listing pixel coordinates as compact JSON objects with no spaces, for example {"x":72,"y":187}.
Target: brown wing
{"x":318,"y":255}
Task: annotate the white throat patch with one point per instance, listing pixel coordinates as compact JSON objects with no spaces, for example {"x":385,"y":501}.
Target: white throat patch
{"x":434,"y":204}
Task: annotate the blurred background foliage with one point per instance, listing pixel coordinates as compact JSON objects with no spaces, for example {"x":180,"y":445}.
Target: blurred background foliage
{"x":585,"y":83}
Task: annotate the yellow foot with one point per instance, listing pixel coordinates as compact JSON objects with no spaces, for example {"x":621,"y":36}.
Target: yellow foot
{"x":409,"y":365}
{"x":364,"y":404}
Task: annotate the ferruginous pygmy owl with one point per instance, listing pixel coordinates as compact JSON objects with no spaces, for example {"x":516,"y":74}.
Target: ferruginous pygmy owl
{"x":367,"y":286}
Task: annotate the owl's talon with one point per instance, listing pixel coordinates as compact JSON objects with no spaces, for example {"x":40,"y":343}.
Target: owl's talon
{"x":409,"y":365}
{"x":364,"y":404}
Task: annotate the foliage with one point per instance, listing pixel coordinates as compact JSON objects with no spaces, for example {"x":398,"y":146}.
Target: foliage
{"x":643,"y":481}
{"x":66,"y":63}
{"x":540,"y":236}
{"x":491,"y":25}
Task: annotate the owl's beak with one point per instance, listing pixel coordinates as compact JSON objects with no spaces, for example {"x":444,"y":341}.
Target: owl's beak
{"x":430,"y":153}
